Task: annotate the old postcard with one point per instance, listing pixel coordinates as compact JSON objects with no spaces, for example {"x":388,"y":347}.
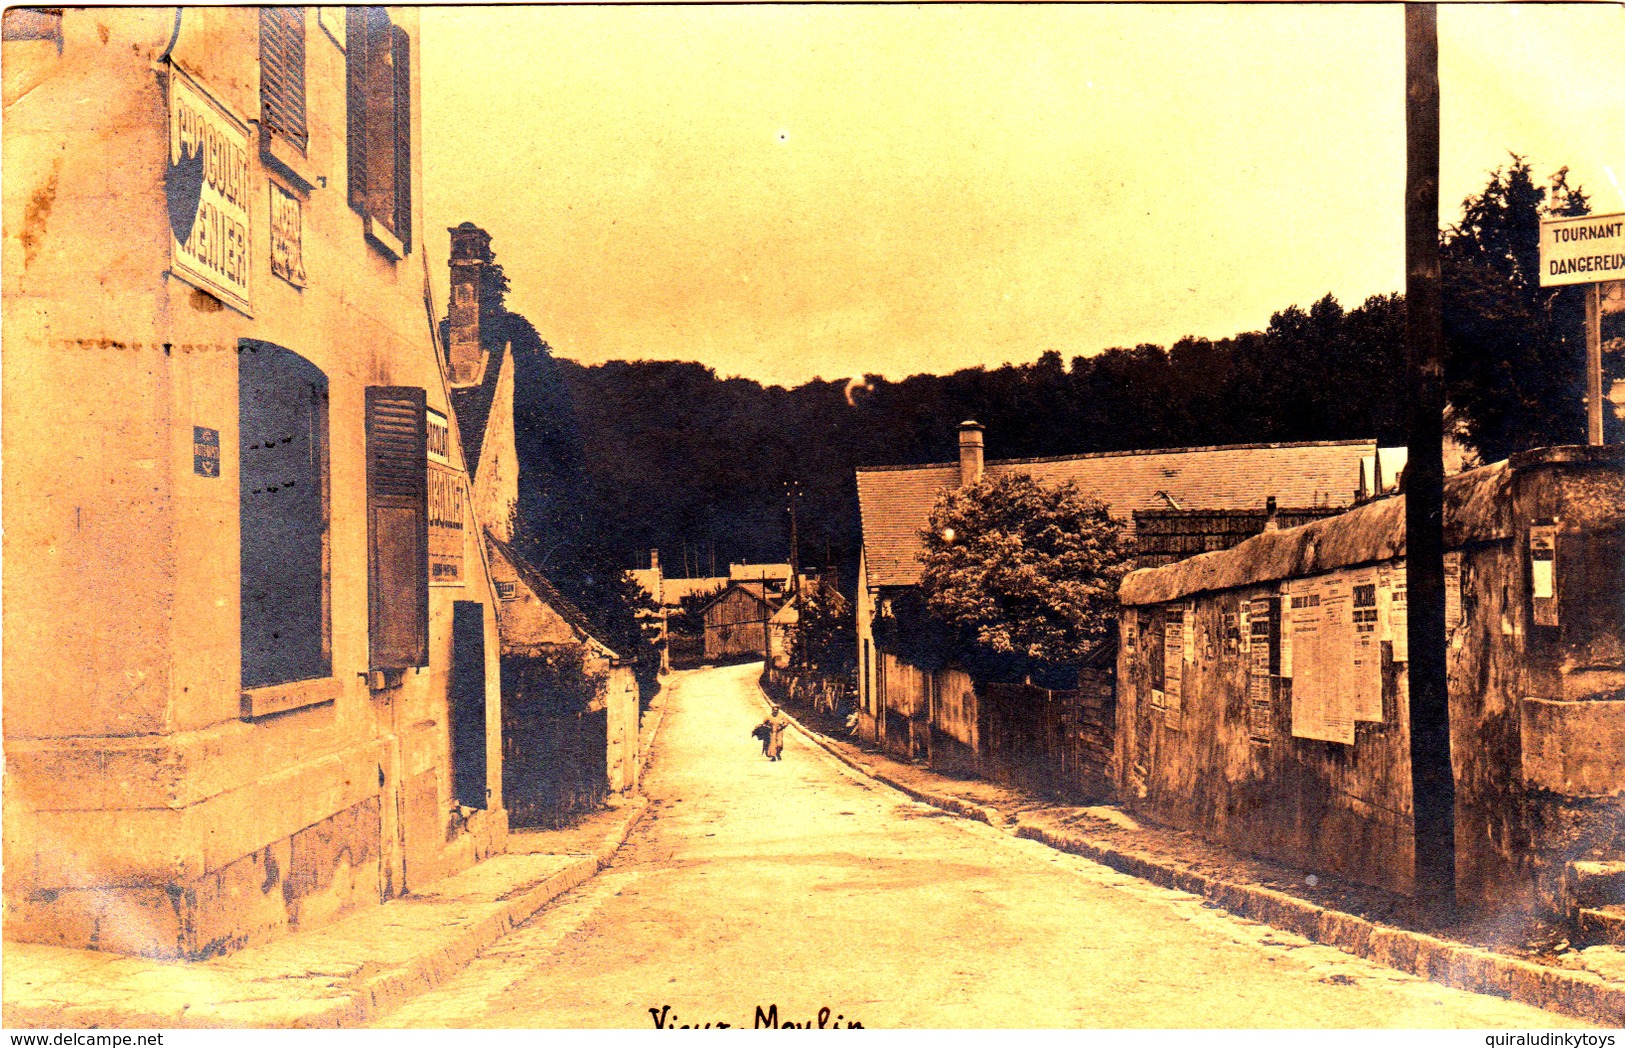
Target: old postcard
{"x":814,"y":516}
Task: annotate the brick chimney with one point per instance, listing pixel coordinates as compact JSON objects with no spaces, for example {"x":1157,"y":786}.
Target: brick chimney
{"x":970,"y":453}
{"x":654,"y":560}
{"x":470,"y":254}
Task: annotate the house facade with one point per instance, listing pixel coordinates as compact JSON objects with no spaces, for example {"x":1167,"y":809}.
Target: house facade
{"x":924,"y":707}
{"x":251,"y":679}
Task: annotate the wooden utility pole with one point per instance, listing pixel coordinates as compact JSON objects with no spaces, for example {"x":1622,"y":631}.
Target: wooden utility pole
{"x":1594,"y":393}
{"x":1433,"y":793}
{"x":792,"y":494}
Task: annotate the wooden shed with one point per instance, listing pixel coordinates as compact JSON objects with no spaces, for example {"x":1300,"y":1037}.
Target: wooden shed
{"x":736,"y":622}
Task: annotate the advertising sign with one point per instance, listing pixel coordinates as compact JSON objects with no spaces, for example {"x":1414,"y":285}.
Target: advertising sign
{"x":207,"y":188}
{"x":287,"y":236}
{"x":445,"y":506}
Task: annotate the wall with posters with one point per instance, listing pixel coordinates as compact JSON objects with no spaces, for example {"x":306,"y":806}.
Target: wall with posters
{"x":1262,"y":689}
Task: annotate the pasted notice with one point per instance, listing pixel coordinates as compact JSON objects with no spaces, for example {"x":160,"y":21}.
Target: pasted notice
{"x":1322,"y":642}
{"x":1452,"y":590}
{"x":1364,"y":678}
{"x":207,"y":189}
{"x":1173,"y":659}
{"x":445,"y":506}
{"x":1397,"y":605}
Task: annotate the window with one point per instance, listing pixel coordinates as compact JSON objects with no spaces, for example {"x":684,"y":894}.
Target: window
{"x":397,"y":528}
{"x":282,"y":74}
{"x":282,"y":516}
{"x":379,"y":85}
{"x":507,"y":590}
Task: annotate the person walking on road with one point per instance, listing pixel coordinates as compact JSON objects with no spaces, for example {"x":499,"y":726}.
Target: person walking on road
{"x":773,"y":729}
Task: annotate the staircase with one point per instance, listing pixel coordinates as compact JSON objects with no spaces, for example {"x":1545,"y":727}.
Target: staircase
{"x":1596,"y":900}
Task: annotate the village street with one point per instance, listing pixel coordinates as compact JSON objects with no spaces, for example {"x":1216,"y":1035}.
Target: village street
{"x":803,"y":885}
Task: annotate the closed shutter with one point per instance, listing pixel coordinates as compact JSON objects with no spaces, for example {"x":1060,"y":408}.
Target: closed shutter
{"x":397,"y":528}
{"x":355,"y":95}
{"x":282,"y":73}
{"x":401,"y":57}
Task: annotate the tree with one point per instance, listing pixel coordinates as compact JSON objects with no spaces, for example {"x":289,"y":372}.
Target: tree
{"x":826,"y":625}
{"x":1514,"y":351}
{"x":1022,"y":570}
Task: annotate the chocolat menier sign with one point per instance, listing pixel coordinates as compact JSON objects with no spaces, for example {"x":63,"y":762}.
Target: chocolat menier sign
{"x":207,"y":183}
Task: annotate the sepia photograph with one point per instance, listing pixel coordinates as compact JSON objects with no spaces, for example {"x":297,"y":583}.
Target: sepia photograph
{"x":940,"y":516}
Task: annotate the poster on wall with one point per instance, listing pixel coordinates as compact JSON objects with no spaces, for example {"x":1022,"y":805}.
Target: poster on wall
{"x":1322,"y":648}
{"x":445,"y":506}
{"x":1452,"y":590}
{"x":1396,"y":607}
{"x":1364,"y":676}
{"x":207,"y":186}
{"x":1173,"y":660}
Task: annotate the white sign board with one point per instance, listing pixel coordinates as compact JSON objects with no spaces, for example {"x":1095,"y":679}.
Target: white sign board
{"x":207,"y":185}
{"x":1582,"y":250}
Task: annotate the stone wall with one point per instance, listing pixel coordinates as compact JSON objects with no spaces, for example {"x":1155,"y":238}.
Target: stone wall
{"x":1537,"y":686}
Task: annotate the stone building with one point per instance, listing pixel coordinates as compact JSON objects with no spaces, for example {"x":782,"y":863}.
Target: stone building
{"x":251,"y":671}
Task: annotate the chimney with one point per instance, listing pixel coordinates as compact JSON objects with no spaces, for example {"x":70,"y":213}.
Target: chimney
{"x":654,"y":560}
{"x":470,"y":254}
{"x":1270,"y":523}
{"x":970,"y":453}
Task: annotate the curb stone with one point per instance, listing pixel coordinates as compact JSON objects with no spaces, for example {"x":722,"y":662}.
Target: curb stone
{"x":1582,"y":995}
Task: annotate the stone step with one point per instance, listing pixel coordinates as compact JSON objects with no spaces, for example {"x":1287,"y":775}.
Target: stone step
{"x":1601,"y":924}
{"x":1595,"y":884}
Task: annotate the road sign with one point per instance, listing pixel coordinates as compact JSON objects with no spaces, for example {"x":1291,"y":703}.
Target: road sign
{"x":1582,"y":250}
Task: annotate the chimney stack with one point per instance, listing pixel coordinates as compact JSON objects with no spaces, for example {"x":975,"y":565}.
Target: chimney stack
{"x":654,"y":560}
{"x":970,"y":453}
{"x":470,"y":254}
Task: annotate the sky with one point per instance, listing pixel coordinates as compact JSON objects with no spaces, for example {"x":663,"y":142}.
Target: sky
{"x":790,"y":192}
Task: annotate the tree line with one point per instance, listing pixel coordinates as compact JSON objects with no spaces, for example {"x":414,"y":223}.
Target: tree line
{"x":624,"y":457}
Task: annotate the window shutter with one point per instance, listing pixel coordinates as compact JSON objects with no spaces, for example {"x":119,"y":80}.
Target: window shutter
{"x":355,"y":95}
{"x":401,"y":52}
{"x":397,"y":528}
{"x":282,"y":73}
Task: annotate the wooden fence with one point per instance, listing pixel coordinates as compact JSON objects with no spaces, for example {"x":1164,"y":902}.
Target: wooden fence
{"x":1054,"y":742}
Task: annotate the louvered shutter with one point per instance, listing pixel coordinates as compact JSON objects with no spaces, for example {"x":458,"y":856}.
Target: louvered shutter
{"x":355,"y":95}
{"x":401,"y":54}
{"x":397,"y":528}
{"x":282,"y":73}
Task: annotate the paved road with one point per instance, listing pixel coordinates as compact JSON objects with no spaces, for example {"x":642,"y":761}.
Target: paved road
{"x":804,"y":885}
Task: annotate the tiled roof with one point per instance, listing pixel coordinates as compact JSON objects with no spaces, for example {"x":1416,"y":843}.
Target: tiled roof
{"x":896,"y":500}
{"x":672,"y":590}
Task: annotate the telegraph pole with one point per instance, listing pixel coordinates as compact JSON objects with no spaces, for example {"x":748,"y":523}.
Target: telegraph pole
{"x":792,"y":495}
{"x":1433,"y":794}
